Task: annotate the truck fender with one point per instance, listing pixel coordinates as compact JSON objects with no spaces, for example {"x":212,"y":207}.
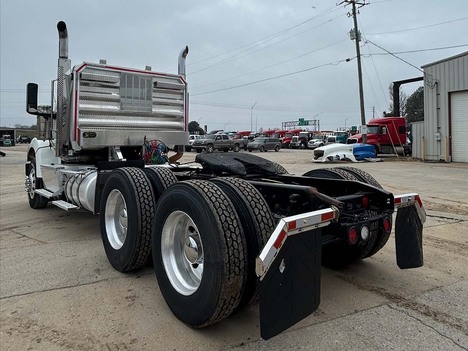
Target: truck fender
{"x":44,"y":154}
{"x":288,"y":270}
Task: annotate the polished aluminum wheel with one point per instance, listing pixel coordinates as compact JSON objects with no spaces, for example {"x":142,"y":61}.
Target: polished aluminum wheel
{"x":182,"y":253}
{"x":116,"y":219}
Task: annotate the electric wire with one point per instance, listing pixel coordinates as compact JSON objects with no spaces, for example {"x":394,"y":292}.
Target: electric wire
{"x":275,"y":77}
{"x":239,"y":56}
{"x":272,"y":36}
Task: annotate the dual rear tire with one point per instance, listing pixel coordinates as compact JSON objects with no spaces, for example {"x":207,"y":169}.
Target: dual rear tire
{"x":204,"y":237}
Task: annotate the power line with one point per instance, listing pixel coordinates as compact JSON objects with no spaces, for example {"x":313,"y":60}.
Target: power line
{"x":274,"y":35}
{"x":422,"y":27}
{"x":236,"y":57}
{"x":399,"y":58}
{"x":275,"y":77}
{"x":413,"y":51}
{"x":270,"y":66}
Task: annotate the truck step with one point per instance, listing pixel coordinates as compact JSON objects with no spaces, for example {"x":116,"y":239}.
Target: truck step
{"x":64,"y":205}
{"x":45,"y":193}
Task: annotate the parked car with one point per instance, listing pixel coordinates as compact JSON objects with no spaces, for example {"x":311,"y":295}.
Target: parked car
{"x":23,"y":139}
{"x":264,"y":144}
{"x":192,"y":138}
{"x":315,"y":143}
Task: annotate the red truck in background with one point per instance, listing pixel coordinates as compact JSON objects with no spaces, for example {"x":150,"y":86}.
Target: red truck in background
{"x":387,"y":134}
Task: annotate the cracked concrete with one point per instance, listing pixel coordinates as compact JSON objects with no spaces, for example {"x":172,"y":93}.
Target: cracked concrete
{"x":58,"y":291}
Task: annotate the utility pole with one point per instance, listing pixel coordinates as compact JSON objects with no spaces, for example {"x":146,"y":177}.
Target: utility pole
{"x":357,"y":38}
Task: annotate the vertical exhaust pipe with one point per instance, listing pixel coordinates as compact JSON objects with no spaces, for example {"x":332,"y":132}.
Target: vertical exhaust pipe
{"x":181,"y":66}
{"x":63,"y":40}
{"x":63,"y":64}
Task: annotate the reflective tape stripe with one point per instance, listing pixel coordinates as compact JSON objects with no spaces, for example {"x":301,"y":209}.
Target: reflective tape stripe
{"x":289,"y":226}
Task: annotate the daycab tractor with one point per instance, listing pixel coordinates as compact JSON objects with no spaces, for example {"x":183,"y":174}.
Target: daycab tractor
{"x":387,"y":134}
{"x":224,"y":233}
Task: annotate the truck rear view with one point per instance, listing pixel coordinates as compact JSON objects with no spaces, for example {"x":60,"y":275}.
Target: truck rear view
{"x":226,"y":232}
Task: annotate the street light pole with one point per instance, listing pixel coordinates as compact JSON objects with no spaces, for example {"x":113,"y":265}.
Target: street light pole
{"x":251,"y":111}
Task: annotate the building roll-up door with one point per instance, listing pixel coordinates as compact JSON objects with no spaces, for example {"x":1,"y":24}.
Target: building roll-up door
{"x":459,"y":118}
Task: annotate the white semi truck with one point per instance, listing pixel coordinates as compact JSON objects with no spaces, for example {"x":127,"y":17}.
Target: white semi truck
{"x":225,"y":233}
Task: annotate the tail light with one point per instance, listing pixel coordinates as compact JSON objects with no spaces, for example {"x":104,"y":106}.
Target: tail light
{"x":387,"y":225}
{"x":353,"y":235}
{"x":365,"y":202}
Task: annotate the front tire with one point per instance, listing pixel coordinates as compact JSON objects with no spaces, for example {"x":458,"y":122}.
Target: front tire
{"x":126,"y":218}
{"x":199,"y":252}
{"x":36,"y":201}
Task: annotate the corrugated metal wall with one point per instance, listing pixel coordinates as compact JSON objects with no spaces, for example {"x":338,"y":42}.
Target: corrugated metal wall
{"x":441,"y":78}
{"x":417,"y":136}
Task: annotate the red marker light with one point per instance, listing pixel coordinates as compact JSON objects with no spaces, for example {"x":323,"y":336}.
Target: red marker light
{"x":353,"y":235}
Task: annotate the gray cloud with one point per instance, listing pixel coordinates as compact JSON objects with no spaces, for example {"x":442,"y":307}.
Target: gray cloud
{"x":233,"y":43}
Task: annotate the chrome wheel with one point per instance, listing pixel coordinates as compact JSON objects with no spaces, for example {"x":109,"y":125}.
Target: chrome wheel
{"x":116,"y":219}
{"x":182,"y":253}
{"x":31,"y":182}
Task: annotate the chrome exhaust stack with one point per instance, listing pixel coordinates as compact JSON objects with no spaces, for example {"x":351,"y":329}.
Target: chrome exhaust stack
{"x":64,"y":66}
{"x":181,"y":66}
{"x":63,"y":40}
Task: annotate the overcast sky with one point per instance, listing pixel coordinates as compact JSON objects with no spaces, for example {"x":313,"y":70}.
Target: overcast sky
{"x":256,"y":63}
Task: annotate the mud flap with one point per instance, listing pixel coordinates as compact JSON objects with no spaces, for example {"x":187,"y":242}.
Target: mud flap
{"x":290,"y":290}
{"x":408,"y":231}
{"x":289,"y":269}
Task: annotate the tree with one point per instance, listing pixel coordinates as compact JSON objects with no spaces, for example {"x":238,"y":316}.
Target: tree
{"x":414,"y":107}
{"x":402,"y":96}
{"x":194,"y":128}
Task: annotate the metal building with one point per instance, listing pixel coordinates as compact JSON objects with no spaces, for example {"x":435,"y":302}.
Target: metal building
{"x":444,"y":135}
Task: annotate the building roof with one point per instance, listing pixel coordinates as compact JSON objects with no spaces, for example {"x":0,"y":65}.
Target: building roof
{"x":445,"y":59}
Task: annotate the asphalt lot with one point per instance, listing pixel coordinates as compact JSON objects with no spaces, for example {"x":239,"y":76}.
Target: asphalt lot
{"x":58,"y":291}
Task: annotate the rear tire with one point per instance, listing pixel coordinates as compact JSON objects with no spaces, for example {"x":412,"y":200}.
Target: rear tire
{"x":257,"y":224}
{"x":382,"y":235}
{"x":199,"y":252}
{"x":277,"y":148}
{"x":236,"y":148}
{"x":340,"y":254}
{"x":160,"y":178}
{"x":126,"y":217}
{"x":36,"y":201}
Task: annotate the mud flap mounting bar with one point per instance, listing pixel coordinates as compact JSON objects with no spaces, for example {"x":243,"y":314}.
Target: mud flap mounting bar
{"x":288,"y":268}
{"x":408,"y":230}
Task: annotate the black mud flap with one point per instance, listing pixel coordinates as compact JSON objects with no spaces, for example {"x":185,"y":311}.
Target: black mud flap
{"x":290,"y":290}
{"x":408,"y":238}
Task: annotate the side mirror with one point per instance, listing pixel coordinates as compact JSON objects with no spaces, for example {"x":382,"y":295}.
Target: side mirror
{"x":31,"y":98}
{"x":31,"y":102}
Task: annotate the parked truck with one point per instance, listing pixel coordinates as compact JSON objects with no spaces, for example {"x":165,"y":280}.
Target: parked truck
{"x":387,"y":134}
{"x":218,"y":141}
{"x":223,"y":233}
{"x":7,"y":137}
